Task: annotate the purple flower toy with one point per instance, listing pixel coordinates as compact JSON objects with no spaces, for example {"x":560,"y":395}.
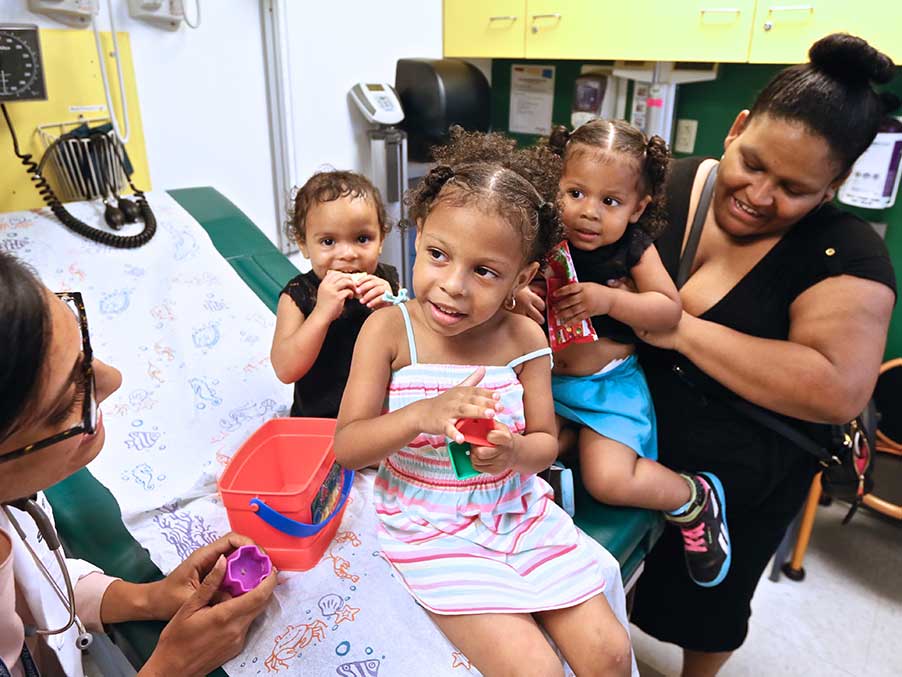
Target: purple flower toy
{"x":245,"y":568}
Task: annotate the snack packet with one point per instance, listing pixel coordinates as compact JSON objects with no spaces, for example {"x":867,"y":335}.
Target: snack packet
{"x":559,"y":272}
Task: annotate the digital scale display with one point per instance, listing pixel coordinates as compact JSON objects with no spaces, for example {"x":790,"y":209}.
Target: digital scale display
{"x":21,"y":70}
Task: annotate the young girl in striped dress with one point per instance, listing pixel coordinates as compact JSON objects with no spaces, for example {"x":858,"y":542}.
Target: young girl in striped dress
{"x":492,"y":558}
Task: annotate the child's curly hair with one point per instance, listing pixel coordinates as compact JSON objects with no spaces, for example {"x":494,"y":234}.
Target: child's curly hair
{"x":650,"y":157}
{"x":488,"y":170}
{"x":326,"y":186}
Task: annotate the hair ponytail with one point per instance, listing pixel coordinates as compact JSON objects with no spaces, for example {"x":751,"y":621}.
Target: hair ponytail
{"x":558,"y":140}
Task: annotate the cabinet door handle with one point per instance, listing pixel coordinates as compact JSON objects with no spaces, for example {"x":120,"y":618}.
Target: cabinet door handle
{"x":791,"y":8}
{"x":509,"y":17}
{"x":555,"y":15}
{"x":721,"y":10}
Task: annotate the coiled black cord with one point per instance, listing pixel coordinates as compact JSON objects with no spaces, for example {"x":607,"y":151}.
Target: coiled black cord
{"x":46,"y":192}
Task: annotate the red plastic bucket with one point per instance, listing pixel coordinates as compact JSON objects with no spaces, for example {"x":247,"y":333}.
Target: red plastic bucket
{"x":283,"y":489}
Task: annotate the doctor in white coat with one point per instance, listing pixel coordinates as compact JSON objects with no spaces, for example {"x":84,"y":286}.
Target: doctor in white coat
{"x":51,"y":387}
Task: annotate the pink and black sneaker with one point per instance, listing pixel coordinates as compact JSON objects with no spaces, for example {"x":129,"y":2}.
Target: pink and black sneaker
{"x":706,"y":539}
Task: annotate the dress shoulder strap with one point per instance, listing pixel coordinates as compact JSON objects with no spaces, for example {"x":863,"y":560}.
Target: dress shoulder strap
{"x":411,"y":344}
{"x":541,"y":352}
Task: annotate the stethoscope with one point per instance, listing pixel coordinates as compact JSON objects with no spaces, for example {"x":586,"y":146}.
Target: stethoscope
{"x":48,"y":533}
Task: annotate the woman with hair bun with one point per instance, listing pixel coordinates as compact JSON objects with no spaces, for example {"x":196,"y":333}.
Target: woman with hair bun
{"x":786,"y":306}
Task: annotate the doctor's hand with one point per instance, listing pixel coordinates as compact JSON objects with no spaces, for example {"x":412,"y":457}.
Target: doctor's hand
{"x":167,"y":596}
{"x":203,"y":634}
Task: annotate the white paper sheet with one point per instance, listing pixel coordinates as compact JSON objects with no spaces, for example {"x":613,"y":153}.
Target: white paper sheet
{"x":192,"y":341}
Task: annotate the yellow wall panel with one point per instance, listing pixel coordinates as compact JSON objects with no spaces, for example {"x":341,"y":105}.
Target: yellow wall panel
{"x":73,"y":80}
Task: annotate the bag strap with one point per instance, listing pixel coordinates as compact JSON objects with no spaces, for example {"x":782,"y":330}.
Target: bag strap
{"x":748,"y":409}
{"x":695,"y":232}
{"x":768,"y":420}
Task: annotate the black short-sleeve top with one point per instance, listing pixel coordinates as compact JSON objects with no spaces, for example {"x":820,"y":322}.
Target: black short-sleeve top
{"x":825,"y":243}
{"x":318,"y":393}
{"x":612,"y":262}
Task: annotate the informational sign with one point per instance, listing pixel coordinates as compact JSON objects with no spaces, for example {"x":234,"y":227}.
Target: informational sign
{"x":874,"y":181}
{"x":532,"y":96}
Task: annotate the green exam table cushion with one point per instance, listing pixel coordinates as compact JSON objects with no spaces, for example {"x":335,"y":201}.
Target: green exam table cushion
{"x":88,"y":517}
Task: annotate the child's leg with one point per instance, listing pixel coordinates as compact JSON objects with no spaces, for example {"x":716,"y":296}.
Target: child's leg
{"x":502,"y":645}
{"x":591,"y":638}
{"x":614,"y":474}
{"x":567,"y":437}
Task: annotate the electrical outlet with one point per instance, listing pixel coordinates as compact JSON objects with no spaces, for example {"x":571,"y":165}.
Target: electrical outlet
{"x":686,"y":131}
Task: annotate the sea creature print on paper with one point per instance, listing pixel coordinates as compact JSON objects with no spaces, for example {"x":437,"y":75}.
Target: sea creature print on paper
{"x":184,"y":245}
{"x":348,"y":537}
{"x":141,"y":400}
{"x":330,"y":604}
{"x":288,"y":645}
{"x":206,"y":336}
{"x":141,"y":441}
{"x":142,"y":474}
{"x":115,"y":302}
{"x":366,"y":668}
{"x":342,"y":567}
{"x":204,"y":393}
{"x":247,"y":413}
{"x":185,"y":532}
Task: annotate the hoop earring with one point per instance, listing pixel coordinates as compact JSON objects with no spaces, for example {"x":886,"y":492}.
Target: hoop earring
{"x":511,"y":303}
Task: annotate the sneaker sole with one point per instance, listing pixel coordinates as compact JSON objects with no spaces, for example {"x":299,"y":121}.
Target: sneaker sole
{"x":725,"y":568}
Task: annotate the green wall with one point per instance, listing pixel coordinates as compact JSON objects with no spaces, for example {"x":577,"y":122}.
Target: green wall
{"x":714,"y":104}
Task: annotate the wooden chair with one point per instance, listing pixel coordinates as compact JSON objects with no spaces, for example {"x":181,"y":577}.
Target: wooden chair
{"x":888,"y":441}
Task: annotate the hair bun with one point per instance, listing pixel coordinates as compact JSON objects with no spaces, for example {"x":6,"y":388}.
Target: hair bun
{"x":558,"y":139}
{"x":850,"y":59}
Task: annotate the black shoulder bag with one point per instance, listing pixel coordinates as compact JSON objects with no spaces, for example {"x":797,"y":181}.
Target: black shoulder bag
{"x":846,"y":457}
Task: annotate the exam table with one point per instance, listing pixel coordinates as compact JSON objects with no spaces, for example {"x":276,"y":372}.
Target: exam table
{"x":88,"y":516}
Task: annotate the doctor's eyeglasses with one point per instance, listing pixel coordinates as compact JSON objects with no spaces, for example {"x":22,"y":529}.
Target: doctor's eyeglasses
{"x":89,"y":413}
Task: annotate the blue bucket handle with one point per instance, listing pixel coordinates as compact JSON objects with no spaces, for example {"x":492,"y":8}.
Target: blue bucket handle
{"x":286,"y":525}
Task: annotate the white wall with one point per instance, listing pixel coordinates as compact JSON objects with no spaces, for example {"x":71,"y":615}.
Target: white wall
{"x":337,"y":44}
{"x":203,"y":100}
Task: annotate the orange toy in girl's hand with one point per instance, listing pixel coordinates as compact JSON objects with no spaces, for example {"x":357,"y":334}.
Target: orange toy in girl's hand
{"x":476,"y":430}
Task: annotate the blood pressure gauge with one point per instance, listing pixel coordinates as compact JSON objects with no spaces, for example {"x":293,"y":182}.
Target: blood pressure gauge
{"x":21,"y":70}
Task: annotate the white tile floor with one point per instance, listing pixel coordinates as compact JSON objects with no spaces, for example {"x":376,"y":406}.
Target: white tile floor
{"x":844,"y":620}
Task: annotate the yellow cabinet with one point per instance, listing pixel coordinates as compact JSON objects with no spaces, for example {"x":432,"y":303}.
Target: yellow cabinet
{"x":484,"y":28}
{"x":783,"y":32}
{"x":651,"y":30}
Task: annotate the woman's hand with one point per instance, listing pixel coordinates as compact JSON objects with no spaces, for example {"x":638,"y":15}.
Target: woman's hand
{"x":499,"y":458}
{"x":438,"y":415}
{"x":668,"y":340}
{"x":334,"y":290}
{"x":370,"y":291}
{"x":167,"y":596}
{"x":201,"y":637}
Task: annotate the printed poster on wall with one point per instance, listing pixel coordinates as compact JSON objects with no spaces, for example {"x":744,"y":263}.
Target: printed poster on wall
{"x":532,"y":96}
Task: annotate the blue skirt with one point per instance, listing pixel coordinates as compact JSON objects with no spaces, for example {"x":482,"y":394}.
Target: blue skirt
{"x":615,"y":404}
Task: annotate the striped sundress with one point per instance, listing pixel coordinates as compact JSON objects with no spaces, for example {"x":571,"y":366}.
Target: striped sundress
{"x":487,"y":544}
